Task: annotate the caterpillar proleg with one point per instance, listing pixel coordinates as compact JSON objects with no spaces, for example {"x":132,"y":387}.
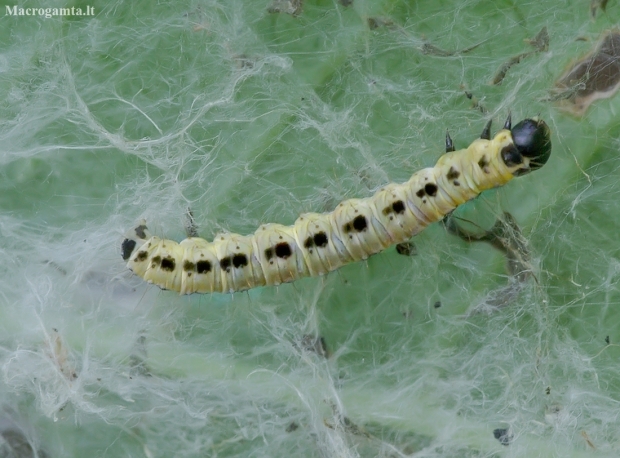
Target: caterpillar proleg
{"x":358,"y":228}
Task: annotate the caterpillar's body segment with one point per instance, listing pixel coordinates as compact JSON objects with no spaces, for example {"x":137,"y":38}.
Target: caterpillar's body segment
{"x":358,"y":228}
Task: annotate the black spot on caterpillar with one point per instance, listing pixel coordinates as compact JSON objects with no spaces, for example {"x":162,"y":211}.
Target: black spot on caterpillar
{"x":358,"y":228}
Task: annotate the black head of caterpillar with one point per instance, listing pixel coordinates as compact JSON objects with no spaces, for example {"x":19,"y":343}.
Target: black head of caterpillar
{"x":530,"y":147}
{"x":358,"y":228}
{"x":532,"y":139}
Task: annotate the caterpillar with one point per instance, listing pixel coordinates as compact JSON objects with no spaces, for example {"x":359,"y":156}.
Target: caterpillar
{"x":358,"y":228}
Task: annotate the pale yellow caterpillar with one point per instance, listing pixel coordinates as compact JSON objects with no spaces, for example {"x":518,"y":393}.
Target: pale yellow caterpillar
{"x":358,"y":228}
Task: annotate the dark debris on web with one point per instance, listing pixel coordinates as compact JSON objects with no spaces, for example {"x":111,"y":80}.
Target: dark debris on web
{"x":595,"y":76}
{"x":540,"y":43}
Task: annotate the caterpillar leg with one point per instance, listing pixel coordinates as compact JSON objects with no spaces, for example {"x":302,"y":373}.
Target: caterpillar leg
{"x":406,"y":248}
